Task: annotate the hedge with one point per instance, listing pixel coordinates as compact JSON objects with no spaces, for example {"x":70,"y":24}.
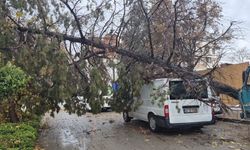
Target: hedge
{"x":16,"y":136}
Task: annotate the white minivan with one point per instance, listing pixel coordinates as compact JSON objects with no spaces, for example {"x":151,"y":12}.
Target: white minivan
{"x":166,"y":103}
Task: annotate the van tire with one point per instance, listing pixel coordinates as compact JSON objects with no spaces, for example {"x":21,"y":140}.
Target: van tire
{"x":153,"y":123}
{"x":126,"y":117}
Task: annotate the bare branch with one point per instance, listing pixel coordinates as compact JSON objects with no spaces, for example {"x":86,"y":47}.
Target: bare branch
{"x":148,"y":27}
{"x":42,"y":14}
{"x":174,"y":32}
{"x":218,"y":38}
{"x":75,"y":17}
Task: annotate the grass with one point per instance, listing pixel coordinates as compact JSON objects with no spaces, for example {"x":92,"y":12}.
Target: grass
{"x":16,"y":136}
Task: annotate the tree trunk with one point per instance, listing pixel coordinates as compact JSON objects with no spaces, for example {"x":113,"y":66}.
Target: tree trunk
{"x":2,"y":113}
{"x":12,"y":112}
{"x":225,"y":89}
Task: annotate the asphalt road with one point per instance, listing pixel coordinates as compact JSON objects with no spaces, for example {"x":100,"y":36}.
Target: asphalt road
{"x":107,"y":131}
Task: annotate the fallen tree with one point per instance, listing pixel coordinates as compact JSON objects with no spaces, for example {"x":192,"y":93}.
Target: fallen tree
{"x":157,"y":35}
{"x":181,"y":72}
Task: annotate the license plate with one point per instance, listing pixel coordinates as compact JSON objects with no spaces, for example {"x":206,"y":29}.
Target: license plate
{"x":190,"y":110}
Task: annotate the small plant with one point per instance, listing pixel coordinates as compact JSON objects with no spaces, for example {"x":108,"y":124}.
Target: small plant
{"x":18,"y":135}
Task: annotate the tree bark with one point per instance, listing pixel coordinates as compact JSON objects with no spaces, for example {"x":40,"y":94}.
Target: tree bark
{"x":12,"y":112}
{"x":225,"y":89}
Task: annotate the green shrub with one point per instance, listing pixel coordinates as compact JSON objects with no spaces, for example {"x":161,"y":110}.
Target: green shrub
{"x":13,"y":80}
{"x":15,"y":136}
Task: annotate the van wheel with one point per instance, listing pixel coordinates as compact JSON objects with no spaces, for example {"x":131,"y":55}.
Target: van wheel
{"x":126,"y":117}
{"x":152,"y":123}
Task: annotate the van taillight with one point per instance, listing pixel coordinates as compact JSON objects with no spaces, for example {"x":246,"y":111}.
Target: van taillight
{"x":166,"y":111}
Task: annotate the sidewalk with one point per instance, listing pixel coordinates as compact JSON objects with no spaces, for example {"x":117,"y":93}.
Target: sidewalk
{"x":233,"y":114}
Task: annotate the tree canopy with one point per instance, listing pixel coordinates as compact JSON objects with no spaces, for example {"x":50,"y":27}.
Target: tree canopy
{"x":67,"y":47}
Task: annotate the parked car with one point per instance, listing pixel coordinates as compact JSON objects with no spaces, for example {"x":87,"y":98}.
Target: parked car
{"x":104,"y":107}
{"x":178,"y":108}
{"x":216,"y":103}
{"x":217,"y":108}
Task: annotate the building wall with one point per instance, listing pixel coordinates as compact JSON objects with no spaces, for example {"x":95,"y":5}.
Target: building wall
{"x":230,"y":75}
{"x":207,"y":62}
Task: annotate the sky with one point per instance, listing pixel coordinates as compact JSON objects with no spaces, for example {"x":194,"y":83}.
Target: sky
{"x":238,"y":10}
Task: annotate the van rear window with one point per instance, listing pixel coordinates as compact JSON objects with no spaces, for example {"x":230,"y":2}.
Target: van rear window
{"x":179,"y":91}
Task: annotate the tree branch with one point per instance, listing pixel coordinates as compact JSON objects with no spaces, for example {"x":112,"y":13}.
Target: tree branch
{"x":181,"y":72}
{"x":218,"y":38}
{"x":75,"y":17}
{"x":149,"y":28}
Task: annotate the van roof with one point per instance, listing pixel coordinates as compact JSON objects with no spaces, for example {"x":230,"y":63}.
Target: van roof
{"x":170,"y":79}
{"x":167,"y":79}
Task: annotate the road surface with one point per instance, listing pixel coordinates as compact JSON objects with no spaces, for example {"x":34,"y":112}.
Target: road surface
{"x":107,"y":131}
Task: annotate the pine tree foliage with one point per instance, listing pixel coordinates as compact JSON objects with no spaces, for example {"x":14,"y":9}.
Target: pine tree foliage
{"x":62,"y":45}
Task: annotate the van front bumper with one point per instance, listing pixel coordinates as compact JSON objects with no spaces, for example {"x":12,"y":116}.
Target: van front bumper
{"x":164,"y":122}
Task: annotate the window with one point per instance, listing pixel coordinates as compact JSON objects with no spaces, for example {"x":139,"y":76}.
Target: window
{"x":179,"y":91}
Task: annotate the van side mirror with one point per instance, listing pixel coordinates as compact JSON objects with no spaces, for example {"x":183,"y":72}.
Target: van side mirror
{"x":243,"y":76}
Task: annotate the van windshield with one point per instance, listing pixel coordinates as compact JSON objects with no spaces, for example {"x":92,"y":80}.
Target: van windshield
{"x":178,"y":90}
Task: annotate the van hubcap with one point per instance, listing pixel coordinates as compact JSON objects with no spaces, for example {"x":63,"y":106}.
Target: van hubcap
{"x":152,"y":123}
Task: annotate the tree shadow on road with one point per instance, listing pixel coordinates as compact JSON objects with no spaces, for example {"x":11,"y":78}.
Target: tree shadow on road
{"x":142,"y":125}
